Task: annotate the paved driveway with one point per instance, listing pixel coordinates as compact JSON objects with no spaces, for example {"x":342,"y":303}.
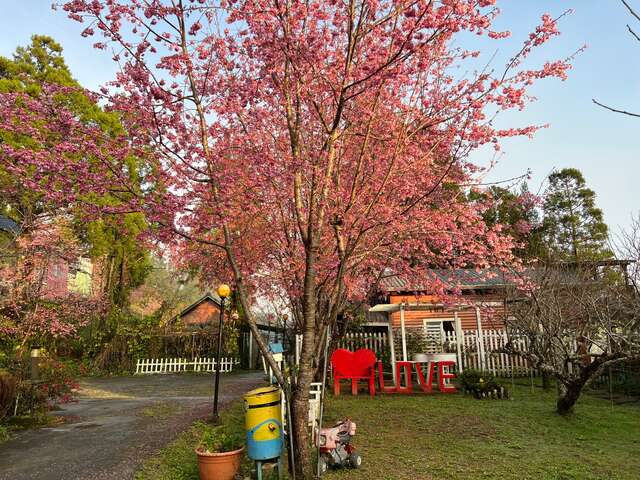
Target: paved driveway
{"x":116,"y":424}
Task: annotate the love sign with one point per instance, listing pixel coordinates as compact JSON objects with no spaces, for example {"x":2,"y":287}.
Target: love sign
{"x":360,"y":365}
{"x":426,"y":385}
{"x":353,"y":364}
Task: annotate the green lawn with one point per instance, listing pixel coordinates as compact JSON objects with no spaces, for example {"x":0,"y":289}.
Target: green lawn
{"x":178,"y":461}
{"x":455,"y":436}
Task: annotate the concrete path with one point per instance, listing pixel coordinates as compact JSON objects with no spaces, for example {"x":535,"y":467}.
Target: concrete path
{"x":115,"y":425}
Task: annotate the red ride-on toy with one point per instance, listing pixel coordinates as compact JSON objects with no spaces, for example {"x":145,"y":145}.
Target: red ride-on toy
{"x":336,"y":449}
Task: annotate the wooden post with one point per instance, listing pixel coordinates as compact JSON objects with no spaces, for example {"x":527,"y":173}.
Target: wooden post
{"x":531,"y":377}
{"x":392,"y":348}
{"x":458,"y":327}
{"x":403,"y":333}
{"x":482,"y":359}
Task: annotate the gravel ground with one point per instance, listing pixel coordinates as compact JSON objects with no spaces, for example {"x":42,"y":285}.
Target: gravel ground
{"x":115,"y":425}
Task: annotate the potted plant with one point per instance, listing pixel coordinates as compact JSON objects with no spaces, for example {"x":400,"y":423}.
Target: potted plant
{"x":219,"y":455}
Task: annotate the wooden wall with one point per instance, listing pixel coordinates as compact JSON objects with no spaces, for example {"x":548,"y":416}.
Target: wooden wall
{"x":491,"y":316}
{"x":204,"y":314}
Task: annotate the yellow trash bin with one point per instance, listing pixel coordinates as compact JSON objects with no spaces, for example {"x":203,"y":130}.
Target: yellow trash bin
{"x":263,"y":424}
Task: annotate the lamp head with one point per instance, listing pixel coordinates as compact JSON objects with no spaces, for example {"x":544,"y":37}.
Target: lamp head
{"x":224,"y":291}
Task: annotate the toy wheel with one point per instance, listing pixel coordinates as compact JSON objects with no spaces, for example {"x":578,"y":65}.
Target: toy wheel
{"x":355,"y":460}
{"x":322,"y":465}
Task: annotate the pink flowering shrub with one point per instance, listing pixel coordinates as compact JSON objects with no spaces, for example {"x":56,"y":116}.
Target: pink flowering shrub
{"x":59,"y":384}
{"x":29,"y":309}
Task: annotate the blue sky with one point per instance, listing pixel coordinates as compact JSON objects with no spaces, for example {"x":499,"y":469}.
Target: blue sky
{"x":600,"y":143}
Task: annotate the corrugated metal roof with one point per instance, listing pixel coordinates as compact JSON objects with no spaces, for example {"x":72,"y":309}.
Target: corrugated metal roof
{"x":451,"y":278}
{"x":469,"y":278}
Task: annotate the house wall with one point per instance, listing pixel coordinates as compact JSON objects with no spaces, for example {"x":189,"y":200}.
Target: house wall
{"x":492,"y":317}
{"x":57,"y":278}
{"x":203,"y":314}
{"x":80,"y":279}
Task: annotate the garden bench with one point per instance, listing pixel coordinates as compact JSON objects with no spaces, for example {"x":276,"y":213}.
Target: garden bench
{"x":354,"y":366}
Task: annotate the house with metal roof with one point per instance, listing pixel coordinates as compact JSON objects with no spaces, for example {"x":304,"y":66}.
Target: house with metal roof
{"x":464,"y":294}
{"x":460,"y":311}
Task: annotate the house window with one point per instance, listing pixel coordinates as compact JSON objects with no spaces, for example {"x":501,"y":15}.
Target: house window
{"x":56,"y":270}
{"x":436,"y":333}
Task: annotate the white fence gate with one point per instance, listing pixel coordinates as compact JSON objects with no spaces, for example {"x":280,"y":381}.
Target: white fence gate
{"x":175,"y":365}
{"x":376,"y":341}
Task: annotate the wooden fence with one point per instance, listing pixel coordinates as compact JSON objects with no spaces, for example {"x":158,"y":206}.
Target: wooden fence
{"x":486,"y":352}
{"x":376,"y":341}
{"x":482,"y":350}
{"x":175,"y":365}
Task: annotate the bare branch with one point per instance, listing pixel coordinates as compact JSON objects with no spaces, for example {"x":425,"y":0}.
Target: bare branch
{"x":624,"y":112}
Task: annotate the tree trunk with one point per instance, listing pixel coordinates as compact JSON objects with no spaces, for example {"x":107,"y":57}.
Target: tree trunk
{"x":300,"y":415}
{"x":568,"y":395}
{"x":304,"y":467}
{"x":546,"y":381}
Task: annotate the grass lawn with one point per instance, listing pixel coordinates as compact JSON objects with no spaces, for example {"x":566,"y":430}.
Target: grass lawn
{"x":455,"y":436}
{"x":458,"y":437}
{"x":177,"y":461}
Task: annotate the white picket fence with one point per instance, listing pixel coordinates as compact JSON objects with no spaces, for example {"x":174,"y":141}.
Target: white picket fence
{"x":480,"y":350}
{"x":486,"y":352}
{"x":376,"y":341}
{"x":175,"y":365}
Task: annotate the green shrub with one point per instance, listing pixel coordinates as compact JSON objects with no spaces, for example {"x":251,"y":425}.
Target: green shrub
{"x":58,"y":381}
{"x":481,"y":384}
{"x":31,"y":399}
{"x":216,"y":440}
{"x":57,"y":385}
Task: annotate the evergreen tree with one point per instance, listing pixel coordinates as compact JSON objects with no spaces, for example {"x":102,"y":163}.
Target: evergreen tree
{"x":518,"y":213}
{"x":573,"y":225}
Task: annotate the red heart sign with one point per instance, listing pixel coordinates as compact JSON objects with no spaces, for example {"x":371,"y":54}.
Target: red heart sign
{"x":353,"y":364}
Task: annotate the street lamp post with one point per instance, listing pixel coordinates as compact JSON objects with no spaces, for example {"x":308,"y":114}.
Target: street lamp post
{"x":223,"y":292}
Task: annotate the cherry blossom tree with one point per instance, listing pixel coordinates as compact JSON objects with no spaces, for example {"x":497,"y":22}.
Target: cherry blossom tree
{"x":30,"y":311}
{"x":56,"y":168}
{"x":304,"y":149}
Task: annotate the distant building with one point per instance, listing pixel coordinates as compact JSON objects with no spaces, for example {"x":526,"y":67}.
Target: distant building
{"x":200,"y":313}
{"x":61,"y":276}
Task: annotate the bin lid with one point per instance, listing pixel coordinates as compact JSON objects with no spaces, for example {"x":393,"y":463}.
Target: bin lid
{"x":262,"y":394}
{"x":262,"y":391}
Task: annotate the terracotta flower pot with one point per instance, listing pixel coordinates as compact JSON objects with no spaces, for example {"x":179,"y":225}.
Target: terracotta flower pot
{"x":219,"y":466}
